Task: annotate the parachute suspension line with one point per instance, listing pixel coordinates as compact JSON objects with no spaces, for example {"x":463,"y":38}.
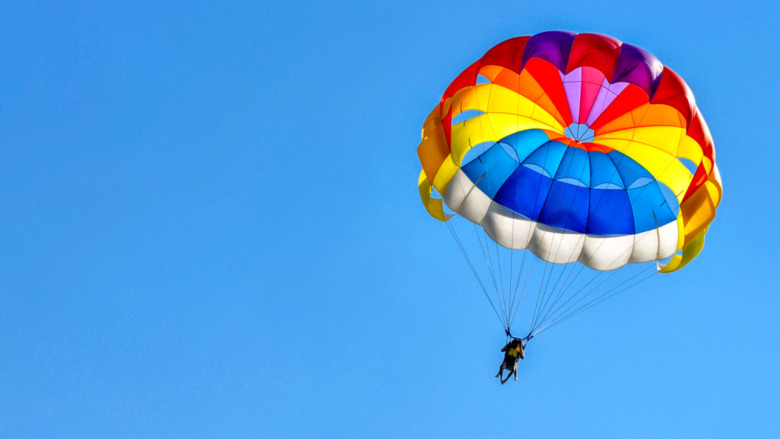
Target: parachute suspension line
{"x":500,"y":291}
{"x":567,"y":313}
{"x":502,"y":298}
{"x":604,"y":296}
{"x":565,"y":289}
{"x":512,"y":308}
{"x":505,"y":305}
{"x":557,"y":295}
{"x":562,"y":310}
{"x":471,"y":266}
{"x":510,"y":276}
{"x":542,"y":296}
{"x":651,"y":268}
{"x":567,"y":284}
{"x":581,"y":298}
{"x":485,"y":247}
{"x":538,"y":189}
{"x":551,"y":311}
{"x":538,"y":295}
{"x":508,"y":295}
{"x":513,"y":291}
{"x":581,"y":289}
{"x":546,"y":282}
{"x":525,"y":286}
{"x":486,"y":252}
{"x":505,"y":296}
{"x":554,"y":293}
{"x":545,"y":293}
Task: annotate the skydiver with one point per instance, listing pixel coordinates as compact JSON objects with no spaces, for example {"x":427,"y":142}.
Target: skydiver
{"x":513,"y":352}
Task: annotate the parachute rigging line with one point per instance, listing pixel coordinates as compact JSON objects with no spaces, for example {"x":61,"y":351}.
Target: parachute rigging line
{"x":473,"y":270}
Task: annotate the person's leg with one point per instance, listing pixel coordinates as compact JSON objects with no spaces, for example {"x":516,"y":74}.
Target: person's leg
{"x":501,"y":370}
{"x":504,"y":365}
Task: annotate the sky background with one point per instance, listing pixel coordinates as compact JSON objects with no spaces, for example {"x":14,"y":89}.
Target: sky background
{"x":210,"y":227}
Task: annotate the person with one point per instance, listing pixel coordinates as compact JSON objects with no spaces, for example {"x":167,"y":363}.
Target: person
{"x":513,"y":352}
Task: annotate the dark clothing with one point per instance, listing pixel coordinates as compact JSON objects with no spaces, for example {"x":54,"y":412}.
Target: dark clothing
{"x":513,"y":349}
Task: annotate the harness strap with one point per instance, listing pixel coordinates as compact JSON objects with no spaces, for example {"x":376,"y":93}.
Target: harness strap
{"x":526,"y":338}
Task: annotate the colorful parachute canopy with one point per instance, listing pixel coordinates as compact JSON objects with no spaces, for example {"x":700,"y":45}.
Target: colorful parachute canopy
{"x":577,"y":147}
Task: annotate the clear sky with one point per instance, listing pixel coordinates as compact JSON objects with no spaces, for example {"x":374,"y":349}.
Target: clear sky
{"x":210,"y":227}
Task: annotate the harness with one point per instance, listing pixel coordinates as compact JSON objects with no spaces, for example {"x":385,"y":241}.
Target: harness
{"x":525,"y":339}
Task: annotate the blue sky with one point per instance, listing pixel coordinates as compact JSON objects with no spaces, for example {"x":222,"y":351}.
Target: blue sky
{"x":209,"y":227}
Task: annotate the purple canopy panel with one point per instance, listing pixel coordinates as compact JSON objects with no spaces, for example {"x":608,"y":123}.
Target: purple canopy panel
{"x":639,"y":67}
{"x":553,"y":47}
{"x":572,"y":86}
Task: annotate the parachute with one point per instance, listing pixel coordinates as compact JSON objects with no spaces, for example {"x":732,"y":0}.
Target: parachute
{"x":583,"y":151}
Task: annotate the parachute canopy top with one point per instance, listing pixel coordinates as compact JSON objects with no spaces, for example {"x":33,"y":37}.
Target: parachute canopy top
{"x":576,"y":147}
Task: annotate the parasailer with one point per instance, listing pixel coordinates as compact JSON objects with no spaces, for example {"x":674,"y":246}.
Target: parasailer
{"x":514,"y":351}
{"x":573,"y":157}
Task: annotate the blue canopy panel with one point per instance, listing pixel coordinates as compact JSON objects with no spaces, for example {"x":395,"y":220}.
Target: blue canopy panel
{"x":547,"y":158}
{"x":566,"y":207}
{"x":630,"y":171}
{"x":610,"y":213}
{"x":653,"y":205}
{"x":575,"y":167}
{"x":603,"y":173}
{"x":526,"y":142}
{"x":491,"y":169}
{"x":583,"y":191}
{"x":525,"y":192}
